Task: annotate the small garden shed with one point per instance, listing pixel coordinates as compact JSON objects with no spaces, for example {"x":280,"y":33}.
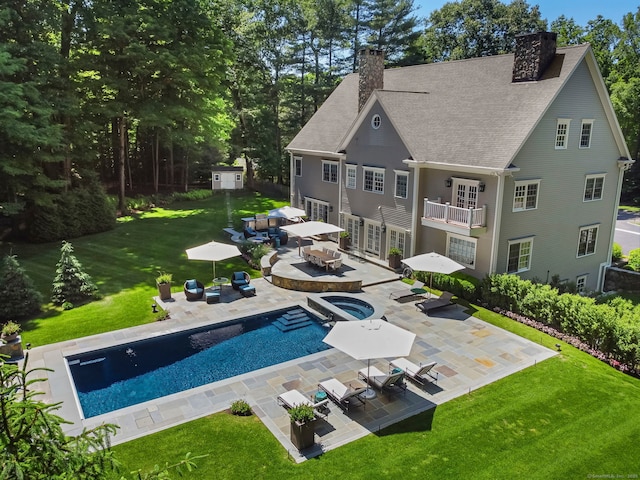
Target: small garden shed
{"x":227,"y":178}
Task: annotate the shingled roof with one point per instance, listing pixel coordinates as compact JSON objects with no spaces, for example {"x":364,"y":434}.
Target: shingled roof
{"x":466,"y":112}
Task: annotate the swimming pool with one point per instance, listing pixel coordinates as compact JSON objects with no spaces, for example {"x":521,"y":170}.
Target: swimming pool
{"x":127,"y":374}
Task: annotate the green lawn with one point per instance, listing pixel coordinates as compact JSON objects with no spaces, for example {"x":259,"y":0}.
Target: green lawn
{"x":125,"y":261}
{"x":568,"y":417}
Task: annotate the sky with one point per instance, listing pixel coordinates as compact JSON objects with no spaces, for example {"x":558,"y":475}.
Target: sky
{"x":581,"y":10}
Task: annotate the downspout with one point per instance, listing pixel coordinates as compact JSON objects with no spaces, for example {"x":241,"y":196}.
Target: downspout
{"x":414,"y":208}
{"x":292,"y":180}
{"x":493,"y":263}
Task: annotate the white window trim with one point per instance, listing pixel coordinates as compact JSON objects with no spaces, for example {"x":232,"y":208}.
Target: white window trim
{"x":376,"y":121}
{"x":374,"y":170}
{"x":595,"y":243}
{"x":319,"y":202}
{"x":590,"y":122}
{"x":399,"y":231}
{"x":238,"y":177}
{"x":216,"y":177}
{"x":518,"y":183}
{"x":399,"y":173}
{"x":584,"y":287}
{"x":332,"y":164}
{"x":354,"y":168}
{"x":566,"y":135}
{"x":297,"y":161}
{"x":520,"y":240}
{"x":472,"y":265}
{"x":584,"y":191}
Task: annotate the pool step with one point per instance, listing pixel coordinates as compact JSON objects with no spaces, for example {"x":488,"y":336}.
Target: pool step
{"x":293,"y":314}
{"x":290,"y":321}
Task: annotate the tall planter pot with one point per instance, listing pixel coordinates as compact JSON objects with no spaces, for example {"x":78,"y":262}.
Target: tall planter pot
{"x":395,"y":261}
{"x":302,"y":434}
{"x":344,"y":243}
{"x":164,"y":291}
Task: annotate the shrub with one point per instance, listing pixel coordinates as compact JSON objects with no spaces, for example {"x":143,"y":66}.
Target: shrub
{"x":19,"y":296}
{"x":634,"y":260}
{"x":460,"y":284}
{"x":71,"y":284}
{"x":616,"y":252}
{"x":10,"y":328}
{"x":302,"y":413}
{"x":395,"y":251}
{"x":240,"y":407}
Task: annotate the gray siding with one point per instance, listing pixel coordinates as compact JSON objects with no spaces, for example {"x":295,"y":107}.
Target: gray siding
{"x":561,"y":210}
{"x":310,"y":184}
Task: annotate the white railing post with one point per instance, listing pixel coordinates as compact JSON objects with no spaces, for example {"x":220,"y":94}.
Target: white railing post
{"x":446,"y":212}
{"x":470,"y":219}
{"x":425,"y":207}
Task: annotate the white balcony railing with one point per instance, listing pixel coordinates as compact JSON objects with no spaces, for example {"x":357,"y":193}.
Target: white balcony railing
{"x":447,"y":213}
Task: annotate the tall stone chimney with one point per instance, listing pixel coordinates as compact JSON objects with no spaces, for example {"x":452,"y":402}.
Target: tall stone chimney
{"x":533,"y":54}
{"x":370,"y":73}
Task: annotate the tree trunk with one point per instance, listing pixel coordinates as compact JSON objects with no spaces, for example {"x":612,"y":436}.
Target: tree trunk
{"x":123,"y":143}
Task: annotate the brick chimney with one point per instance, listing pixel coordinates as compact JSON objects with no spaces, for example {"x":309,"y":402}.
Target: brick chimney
{"x":533,"y":54}
{"x":371,"y":74}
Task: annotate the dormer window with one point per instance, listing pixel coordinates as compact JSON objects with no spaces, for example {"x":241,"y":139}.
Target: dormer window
{"x":376,"y":121}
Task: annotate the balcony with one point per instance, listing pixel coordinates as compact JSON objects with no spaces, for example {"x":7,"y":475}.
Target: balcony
{"x":465,"y":221}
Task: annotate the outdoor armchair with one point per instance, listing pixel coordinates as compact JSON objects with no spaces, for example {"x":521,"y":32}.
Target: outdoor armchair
{"x":193,"y":289}
{"x":240,"y":278}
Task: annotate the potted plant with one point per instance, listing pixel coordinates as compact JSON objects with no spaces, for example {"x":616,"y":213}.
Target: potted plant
{"x":163,"y":281}
{"x":10,"y":331}
{"x":303,"y":420}
{"x":395,"y":257}
{"x":345,"y":240}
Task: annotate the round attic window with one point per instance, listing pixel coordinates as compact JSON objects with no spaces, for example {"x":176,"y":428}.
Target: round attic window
{"x":376,"y":121}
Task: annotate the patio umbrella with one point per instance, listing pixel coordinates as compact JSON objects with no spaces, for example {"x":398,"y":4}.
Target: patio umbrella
{"x":367,"y":339}
{"x":213,"y":252}
{"x":288,"y":212}
{"x":309,"y":229}
{"x":432,"y":262}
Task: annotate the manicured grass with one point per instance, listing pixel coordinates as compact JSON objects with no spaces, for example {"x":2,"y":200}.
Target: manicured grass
{"x":568,"y":417}
{"x":125,"y":261}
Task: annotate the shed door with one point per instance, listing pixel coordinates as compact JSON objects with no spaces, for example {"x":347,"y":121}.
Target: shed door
{"x":228,"y":181}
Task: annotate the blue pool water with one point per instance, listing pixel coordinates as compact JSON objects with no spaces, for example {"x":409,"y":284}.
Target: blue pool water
{"x":132,"y":373}
{"x":353,"y":306}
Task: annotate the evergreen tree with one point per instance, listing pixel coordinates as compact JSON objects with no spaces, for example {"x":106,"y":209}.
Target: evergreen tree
{"x":19,"y":296}
{"x":71,"y":284}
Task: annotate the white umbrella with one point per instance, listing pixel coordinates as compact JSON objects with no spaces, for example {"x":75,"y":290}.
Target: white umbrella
{"x":367,"y":339}
{"x":309,"y":229}
{"x":287,"y":212}
{"x":432,"y":262}
{"x":213,"y":252}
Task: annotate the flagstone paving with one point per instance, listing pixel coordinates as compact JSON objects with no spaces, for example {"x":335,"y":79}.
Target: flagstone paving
{"x":469,"y":354}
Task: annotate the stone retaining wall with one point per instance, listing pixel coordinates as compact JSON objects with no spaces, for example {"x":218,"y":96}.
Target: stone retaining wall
{"x":316,"y":286}
{"x":619,"y":279}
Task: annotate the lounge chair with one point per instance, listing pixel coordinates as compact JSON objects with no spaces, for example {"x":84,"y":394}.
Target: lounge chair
{"x":418,"y":373}
{"x":416,"y":289}
{"x":431,"y":304}
{"x":193,"y":289}
{"x":293,"y":398}
{"x":240,"y":278}
{"x":343,"y":395}
{"x":382,"y":381}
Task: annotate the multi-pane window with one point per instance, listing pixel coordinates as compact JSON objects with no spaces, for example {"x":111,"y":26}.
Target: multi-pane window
{"x":465,"y":193}
{"x":519,"y":255}
{"x":372,"y":232}
{"x":396,"y":239}
{"x":216,"y":177}
{"x":352,"y":225}
{"x":351,"y":176}
{"x":581,"y":283}
{"x":525,"y":196}
{"x":593,"y":187}
{"x":373,"y":180}
{"x":585,"y":133}
{"x":238,"y":177}
{"x":462,"y":250}
{"x":402,"y":182}
{"x":330,"y":172}
{"x":297,"y":166}
{"x":587,"y":240}
{"x":562,"y":132}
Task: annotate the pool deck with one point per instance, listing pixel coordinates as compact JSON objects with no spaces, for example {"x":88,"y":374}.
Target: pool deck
{"x":469,"y":354}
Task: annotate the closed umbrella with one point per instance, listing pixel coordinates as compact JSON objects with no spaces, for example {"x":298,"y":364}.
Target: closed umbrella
{"x":432,"y":262}
{"x":367,"y":339}
{"x":213,"y":252}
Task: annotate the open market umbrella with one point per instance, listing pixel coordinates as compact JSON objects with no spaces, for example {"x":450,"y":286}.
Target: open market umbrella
{"x":432,"y":262}
{"x":367,"y":339}
{"x":288,"y":212}
{"x":213,"y":252}
{"x":309,"y":229}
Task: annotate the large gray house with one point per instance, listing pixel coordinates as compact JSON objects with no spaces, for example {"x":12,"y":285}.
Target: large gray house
{"x":509,"y":163}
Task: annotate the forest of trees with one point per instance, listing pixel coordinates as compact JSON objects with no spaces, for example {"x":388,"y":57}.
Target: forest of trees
{"x":146,"y":95}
